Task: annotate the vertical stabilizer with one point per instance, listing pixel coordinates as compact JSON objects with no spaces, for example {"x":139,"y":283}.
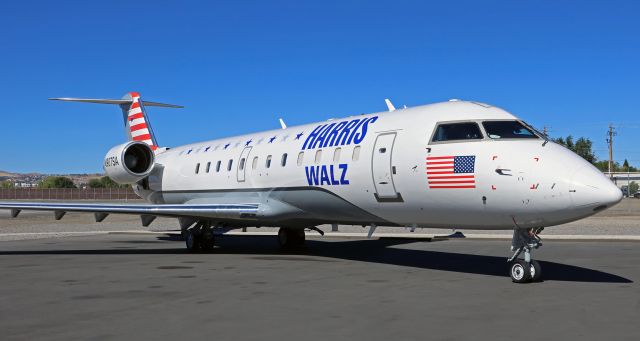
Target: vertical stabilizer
{"x":137,"y":124}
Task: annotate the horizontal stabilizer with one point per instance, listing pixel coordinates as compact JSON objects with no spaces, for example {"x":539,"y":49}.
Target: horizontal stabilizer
{"x":114,"y":101}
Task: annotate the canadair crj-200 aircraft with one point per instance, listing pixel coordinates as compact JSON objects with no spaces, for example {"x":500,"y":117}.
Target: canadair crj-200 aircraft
{"x":457,"y":164}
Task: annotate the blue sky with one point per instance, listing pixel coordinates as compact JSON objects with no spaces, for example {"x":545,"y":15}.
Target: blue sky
{"x":239,"y":65}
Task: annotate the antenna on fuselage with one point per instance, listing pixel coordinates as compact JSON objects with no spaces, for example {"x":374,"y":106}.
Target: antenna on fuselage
{"x":284,"y":126}
{"x":389,"y":105}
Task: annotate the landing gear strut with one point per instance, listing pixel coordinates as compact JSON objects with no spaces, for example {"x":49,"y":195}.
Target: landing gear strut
{"x":289,"y":238}
{"x":199,"y":237}
{"x":525,"y":270}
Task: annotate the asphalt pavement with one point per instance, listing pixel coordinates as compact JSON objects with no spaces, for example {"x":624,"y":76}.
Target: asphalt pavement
{"x":145,"y":286}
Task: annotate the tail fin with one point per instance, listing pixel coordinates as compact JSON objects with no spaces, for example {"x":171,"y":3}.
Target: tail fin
{"x":136,"y":122}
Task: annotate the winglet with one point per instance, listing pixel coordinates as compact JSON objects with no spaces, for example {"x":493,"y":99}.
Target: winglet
{"x":389,"y":105}
{"x":284,"y":126}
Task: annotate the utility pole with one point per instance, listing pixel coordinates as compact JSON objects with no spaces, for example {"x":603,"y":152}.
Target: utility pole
{"x":610,"y":134}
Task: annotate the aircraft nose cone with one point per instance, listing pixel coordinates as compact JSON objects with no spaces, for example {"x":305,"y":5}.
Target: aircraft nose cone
{"x":590,"y":188}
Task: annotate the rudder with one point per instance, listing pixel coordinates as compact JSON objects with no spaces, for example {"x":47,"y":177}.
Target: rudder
{"x":137,"y":124}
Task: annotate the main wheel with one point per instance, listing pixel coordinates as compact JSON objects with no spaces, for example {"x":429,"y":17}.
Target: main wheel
{"x":536,"y":271}
{"x":299,"y":237}
{"x":290,"y":238}
{"x":192,"y":240}
{"x":520,"y":271}
{"x":207,"y":241}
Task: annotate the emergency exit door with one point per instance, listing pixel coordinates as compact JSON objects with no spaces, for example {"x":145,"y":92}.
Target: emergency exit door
{"x":382,"y":168}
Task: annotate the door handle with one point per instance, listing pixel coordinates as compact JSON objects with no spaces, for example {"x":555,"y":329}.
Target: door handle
{"x":502,"y":171}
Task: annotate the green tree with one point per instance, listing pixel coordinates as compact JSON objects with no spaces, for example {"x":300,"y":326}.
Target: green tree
{"x":602,"y":165}
{"x":108,"y":183}
{"x":104,"y":182}
{"x":6,"y":184}
{"x":56,"y":182}
{"x":95,"y":183}
{"x":626,"y":167}
{"x":569,"y":143}
{"x":583,"y":147}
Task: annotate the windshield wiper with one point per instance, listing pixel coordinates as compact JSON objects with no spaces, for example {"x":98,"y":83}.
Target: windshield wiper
{"x":542,"y":135}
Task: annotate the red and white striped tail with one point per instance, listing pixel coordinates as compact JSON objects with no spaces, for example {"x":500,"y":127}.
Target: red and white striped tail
{"x":139,"y":128}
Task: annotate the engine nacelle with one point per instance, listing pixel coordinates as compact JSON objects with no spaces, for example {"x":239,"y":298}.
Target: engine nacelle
{"x":129,"y":162}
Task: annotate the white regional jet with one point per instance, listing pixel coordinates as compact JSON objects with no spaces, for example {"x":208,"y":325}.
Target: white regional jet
{"x":457,"y":164}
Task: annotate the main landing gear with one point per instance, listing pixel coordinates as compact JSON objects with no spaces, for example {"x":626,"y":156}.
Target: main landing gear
{"x":525,"y":270}
{"x":289,"y":238}
{"x":199,"y":237}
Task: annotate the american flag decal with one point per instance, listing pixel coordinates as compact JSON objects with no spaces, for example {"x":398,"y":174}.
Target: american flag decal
{"x":451,"y":171}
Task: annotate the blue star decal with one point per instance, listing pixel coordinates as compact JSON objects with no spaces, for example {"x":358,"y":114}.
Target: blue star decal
{"x":227,"y":145}
{"x":248,"y":142}
{"x":298,"y":136}
{"x":272,"y":139}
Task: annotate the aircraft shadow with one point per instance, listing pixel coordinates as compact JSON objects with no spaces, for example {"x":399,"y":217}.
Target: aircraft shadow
{"x":371,"y":251}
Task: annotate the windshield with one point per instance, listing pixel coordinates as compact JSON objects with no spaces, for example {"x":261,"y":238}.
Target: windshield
{"x":457,"y":131}
{"x":508,"y":130}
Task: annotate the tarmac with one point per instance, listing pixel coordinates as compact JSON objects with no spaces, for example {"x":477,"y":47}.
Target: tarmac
{"x":77,"y":279}
{"x":146,"y":286}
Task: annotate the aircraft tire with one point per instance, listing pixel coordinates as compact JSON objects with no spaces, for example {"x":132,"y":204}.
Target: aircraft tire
{"x":520,"y":271}
{"x":299,"y":237}
{"x":536,"y":271}
{"x":290,"y":238}
{"x":284,"y":238}
{"x":207,"y":242}
{"x":192,"y":241}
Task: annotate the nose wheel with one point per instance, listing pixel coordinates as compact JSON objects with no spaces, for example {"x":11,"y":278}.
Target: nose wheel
{"x":525,"y":270}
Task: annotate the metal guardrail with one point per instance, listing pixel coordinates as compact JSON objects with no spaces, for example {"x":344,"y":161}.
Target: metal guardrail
{"x":68,"y":194}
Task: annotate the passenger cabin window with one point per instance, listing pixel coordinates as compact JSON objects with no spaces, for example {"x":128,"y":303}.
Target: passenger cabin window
{"x":268,"y":162}
{"x":300,"y":158}
{"x":318,"y":156}
{"x":457,"y":132}
{"x":336,"y":155}
{"x":229,"y":165}
{"x":254,"y":165}
{"x":197,"y":168}
{"x":208,"y":166}
{"x":218,"y":166}
{"x":508,"y":130}
{"x":283,"y":162}
{"x":242,"y":161}
{"x":356,"y":153}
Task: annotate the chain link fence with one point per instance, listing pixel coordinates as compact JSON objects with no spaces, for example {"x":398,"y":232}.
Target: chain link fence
{"x":68,"y":194}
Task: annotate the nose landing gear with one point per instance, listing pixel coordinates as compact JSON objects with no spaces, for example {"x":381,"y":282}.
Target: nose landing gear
{"x":525,"y":270}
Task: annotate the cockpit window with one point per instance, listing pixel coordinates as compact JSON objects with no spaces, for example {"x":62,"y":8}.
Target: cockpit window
{"x":508,"y":130}
{"x":457,"y":131}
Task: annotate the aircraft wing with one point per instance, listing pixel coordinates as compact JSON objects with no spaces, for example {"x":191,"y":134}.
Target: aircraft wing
{"x":147,"y":211}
